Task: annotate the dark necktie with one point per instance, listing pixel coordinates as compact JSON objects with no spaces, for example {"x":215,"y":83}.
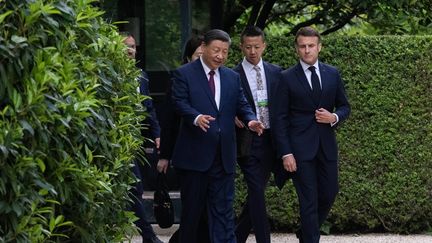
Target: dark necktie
{"x":211,"y":82}
{"x":316,"y":87}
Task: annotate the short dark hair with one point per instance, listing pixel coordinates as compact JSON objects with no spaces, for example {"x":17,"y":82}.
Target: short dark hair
{"x":251,"y":31}
{"x":216,"y":34}
{"x":307,"y":31}
{"x":191,"y":45}
{"x":126,"y":34}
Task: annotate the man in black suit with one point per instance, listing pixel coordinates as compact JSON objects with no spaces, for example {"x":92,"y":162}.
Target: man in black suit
{"x":311,"y":102}
{"x":256,"y":154}
{"x":208,"y":96}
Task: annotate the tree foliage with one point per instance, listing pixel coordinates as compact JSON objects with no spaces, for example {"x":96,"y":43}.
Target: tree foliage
{"x":69,"y":124}
{"x":382,"y":16}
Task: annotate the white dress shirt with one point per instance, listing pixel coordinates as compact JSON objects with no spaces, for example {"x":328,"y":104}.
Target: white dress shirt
{"x":251,"y":76}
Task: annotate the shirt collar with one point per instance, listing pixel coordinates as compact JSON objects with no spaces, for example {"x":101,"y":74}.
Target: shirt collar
{"x":207,"y":69}
{"x":249,"y":66}
{"x":306,"y":66}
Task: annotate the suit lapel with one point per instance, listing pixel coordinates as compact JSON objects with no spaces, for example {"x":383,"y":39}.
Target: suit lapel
{"x":203,"y":81}
{"x":301,"y":77}
{"x":245,"y":84}
{"x":223,"y":87}
{"x":325,"y":79}
{"x":270,"y":79}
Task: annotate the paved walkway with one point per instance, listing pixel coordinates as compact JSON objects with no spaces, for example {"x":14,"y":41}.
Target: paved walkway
{"x":164,"y":235}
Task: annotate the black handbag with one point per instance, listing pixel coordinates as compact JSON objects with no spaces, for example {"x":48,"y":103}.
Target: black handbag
{"x":162,"y":205}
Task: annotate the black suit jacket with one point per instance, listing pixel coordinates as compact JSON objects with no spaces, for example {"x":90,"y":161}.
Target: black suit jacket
{"x":273,"y":75}
{"x":151,"y":120}
{"x":170,"y":124}
{"x":298,"y":132}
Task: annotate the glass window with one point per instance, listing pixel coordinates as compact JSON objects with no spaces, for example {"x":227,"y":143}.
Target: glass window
{"x":162,"y":35}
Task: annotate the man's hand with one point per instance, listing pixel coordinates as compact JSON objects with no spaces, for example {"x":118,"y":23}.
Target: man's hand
{"x":203,"y":122}
{"x":239,"y":123}
{"x":256,"y":126}
{"x":157,"y":142}
{"x":324,"y":116}
{"x":162,"y":165}
{"x":289,"y":163}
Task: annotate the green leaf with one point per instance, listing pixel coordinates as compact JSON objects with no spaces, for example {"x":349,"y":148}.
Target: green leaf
{"x":26,"y":126}
{"x":52,"y":224}
{"x":59,"y":219}
{"x":18,"y":39}
{"x":4,"y":15}
{"x":41,"y":165}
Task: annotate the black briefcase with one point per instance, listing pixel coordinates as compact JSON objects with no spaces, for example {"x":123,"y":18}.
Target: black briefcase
{"x":162,"y":204}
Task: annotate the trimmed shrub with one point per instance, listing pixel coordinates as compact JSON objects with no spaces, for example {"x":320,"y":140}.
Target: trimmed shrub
{"x":385,"y":145}
{"x":69,"y":126}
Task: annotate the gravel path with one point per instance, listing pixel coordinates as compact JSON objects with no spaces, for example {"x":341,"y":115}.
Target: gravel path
{"x":164,"y":235}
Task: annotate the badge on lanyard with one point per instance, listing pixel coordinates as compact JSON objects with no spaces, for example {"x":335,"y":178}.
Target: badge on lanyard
{"x":262,"y":98}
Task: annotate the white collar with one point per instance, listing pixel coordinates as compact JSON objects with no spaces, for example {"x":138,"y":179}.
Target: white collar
{"x":207,"y":69}
{"x":249,"y":66}
{"x":305,"y":66}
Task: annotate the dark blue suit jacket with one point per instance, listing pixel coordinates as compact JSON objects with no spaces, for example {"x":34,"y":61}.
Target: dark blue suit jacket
{"x":273,"y":75}
{"x":297,"y":130}
{"x":151,"y":119}
{"x":196,"y":149}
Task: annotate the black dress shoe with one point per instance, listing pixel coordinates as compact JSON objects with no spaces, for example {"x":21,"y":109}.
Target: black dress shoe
{"x":299,"y":235}
{"x":154,"y":239}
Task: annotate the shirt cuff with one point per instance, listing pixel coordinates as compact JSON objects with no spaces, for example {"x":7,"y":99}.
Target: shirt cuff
{"x":337,"y":120}
{"x":286,"y":155}
{"x":196,"y":120}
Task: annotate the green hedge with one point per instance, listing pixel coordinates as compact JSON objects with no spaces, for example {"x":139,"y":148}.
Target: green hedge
{"x":385,"y":145}
{"x":69,"y":124}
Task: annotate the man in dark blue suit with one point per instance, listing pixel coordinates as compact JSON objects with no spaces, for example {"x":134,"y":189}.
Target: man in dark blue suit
{"x":311,"y":102}
{"x":256,"y":154}
{"x":153,"y":132}
{"x":208,"y":96}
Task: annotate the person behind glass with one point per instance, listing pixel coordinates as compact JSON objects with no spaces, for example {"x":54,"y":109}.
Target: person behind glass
{"x":256,"y":154}
{"x":170,"y":128}
{"x":137,"y":191}
{"x":311,"y":102}
{"x":208,"y":96}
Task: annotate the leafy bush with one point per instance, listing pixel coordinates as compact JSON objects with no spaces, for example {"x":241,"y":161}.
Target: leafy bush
{"x":385,"y":145}
{"x":69,"y":124}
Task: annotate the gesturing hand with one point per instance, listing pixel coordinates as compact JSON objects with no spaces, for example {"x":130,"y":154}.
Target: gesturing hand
{"x":256,"y":126}
{"x":203,"y":122}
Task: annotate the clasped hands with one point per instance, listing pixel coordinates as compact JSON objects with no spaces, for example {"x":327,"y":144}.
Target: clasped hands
{"x":203,"y":122}
{"x":324,"y":116}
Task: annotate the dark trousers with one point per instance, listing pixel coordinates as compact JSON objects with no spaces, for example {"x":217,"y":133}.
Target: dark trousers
{"x":316,"y":183}
{"x":214,"y":189}
{"x":256,"y":169}
{"x":202,"y":231}
{"x":138,"y":207}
